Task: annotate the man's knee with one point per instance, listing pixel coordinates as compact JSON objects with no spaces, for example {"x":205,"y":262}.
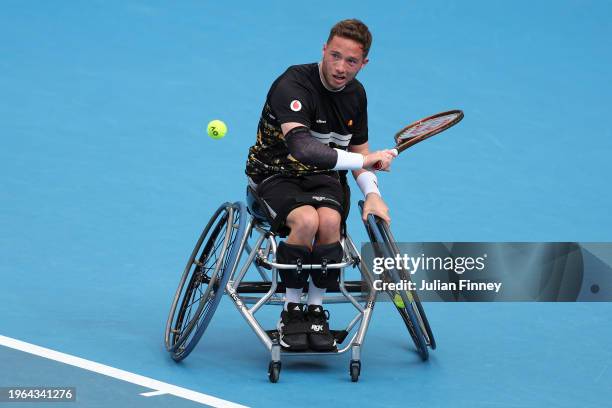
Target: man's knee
{"x":303,"y":221}
{"x":329,"y":225}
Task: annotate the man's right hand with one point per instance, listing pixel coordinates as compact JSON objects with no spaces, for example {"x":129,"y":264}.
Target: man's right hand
{"x":383,"y":156}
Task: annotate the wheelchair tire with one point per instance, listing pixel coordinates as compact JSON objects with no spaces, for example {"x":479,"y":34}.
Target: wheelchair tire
{"x":203,"y":281}
{"x":274,"y":369}
{"x":408,"y":308}
{"x":355,"y":370}
{"x":420,"y":312}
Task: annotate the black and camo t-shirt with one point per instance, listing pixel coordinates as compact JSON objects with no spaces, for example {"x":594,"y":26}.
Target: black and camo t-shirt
{"x":337,"y":118}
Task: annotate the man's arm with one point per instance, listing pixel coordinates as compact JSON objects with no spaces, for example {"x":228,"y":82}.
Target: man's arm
{"x":308,"y":150}
{"x":368,"y":184}
{"x":289,"y":126}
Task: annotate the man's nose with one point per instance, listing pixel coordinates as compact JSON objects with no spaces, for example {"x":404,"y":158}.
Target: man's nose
{"x":340,"y":66}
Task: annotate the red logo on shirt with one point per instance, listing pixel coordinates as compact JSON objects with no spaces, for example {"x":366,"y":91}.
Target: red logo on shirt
{"x":295,"y":105}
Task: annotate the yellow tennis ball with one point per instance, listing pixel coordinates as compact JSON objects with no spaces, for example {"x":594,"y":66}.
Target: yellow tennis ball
{"x":216,"y":129}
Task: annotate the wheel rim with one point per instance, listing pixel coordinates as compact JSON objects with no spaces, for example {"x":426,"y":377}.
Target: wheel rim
{"x":201,"y":273}
{"x":225,"y":264}
{"x":416,"y":305}
{"x":381,"y":239}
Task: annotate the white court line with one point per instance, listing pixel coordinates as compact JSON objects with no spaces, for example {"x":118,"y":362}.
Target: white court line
{"x":160,"y":387}
{"x":153,"y":393}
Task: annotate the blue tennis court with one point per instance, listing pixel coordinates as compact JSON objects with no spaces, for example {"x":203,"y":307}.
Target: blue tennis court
{"x":108,"y":177}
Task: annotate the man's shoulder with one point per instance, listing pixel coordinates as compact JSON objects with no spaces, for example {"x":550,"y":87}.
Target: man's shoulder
{"x":296,"y":78}
{"x":301,"y":75}
{"x":301,"y":71}
{"x":357,"y":87}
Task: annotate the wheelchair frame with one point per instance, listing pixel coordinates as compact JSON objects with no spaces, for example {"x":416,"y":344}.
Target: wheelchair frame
{"x":229,"y":230}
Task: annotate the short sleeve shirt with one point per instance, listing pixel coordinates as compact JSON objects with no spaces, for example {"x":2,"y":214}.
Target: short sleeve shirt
{"x":336,"y":118}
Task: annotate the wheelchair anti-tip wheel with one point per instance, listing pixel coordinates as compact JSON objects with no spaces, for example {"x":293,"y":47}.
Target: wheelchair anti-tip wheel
{"x":274,"y":369}
{"x":406,"y":302}
{"x":355,"y":370}
{"x":203,"y":281}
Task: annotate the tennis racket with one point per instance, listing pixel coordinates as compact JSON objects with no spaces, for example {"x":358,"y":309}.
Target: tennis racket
{"x":423,"y":129}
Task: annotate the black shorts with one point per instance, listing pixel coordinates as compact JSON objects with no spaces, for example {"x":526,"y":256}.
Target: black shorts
{"x":282,"y":194}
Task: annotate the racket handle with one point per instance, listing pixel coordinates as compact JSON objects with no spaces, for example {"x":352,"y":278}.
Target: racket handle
{"x":378,"y":164}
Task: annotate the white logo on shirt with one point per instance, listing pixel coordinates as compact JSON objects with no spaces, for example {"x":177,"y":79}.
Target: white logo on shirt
{"x":321,"y":121}
{"x":295,"y":105}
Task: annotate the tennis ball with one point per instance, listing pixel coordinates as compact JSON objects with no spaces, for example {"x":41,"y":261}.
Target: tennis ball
{"x":216,"y":129}
{"x":397,"y":299}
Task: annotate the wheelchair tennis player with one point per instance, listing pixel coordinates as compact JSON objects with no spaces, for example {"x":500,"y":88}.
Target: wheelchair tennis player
{"x":312,"y":130}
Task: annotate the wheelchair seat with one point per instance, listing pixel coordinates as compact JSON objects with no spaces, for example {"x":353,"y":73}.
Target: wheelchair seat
{"x":257,"y":207}
{"x":263,"y":214}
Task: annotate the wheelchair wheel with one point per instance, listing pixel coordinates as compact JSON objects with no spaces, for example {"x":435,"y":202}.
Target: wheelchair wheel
{"x":355,"y":370}
{"x":406,"y":302}
{"x":203,"y":281}
{"x":274,"y":369}
{"x":420,"y":312}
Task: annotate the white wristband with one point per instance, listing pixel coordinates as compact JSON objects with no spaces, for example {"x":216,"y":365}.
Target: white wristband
{"x":368,"y":183}
{"x":348,"y":161}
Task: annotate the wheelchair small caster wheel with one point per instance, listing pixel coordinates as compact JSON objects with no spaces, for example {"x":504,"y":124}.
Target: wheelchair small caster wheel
{"x":355,"y":370}
{"x":274,"y":369}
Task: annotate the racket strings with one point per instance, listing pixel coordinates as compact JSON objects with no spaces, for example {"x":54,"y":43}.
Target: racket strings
{"x":425,"y":127}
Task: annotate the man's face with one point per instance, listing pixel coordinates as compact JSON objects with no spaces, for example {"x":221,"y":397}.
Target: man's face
{"x":342,"y":60}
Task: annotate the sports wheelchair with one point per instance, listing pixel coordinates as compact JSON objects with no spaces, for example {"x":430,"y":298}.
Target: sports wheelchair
{"x":238,"y":239}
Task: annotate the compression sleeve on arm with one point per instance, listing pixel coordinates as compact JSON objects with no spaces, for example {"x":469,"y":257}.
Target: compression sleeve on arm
{"x":308,"y":150}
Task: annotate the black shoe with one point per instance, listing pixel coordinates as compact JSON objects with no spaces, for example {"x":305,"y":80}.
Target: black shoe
{"x":292,"y":328}
{"x":319,"y":336}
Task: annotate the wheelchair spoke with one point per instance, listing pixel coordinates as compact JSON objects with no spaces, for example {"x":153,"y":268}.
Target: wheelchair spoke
{"x":201,"y":274}
{"x":196,"y":300}
{"x":217,"y":244}
{"x":204,"y":278}
{"x":199,"y":277}
{"x":208,"y":304}
{"x":186,"y":321}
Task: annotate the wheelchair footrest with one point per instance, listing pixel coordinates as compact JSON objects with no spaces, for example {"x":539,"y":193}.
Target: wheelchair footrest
{"x":264,"y":287}
{"x":339,"y":335}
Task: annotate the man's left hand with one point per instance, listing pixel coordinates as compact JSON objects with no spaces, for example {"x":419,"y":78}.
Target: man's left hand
{"x":374,"y":204}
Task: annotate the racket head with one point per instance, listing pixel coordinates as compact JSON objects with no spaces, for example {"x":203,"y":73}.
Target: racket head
{"x":425,"y":128}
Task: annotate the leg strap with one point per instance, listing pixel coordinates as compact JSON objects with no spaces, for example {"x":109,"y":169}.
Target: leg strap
{"x":326,"y":254}
{"x":293,"y":255}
